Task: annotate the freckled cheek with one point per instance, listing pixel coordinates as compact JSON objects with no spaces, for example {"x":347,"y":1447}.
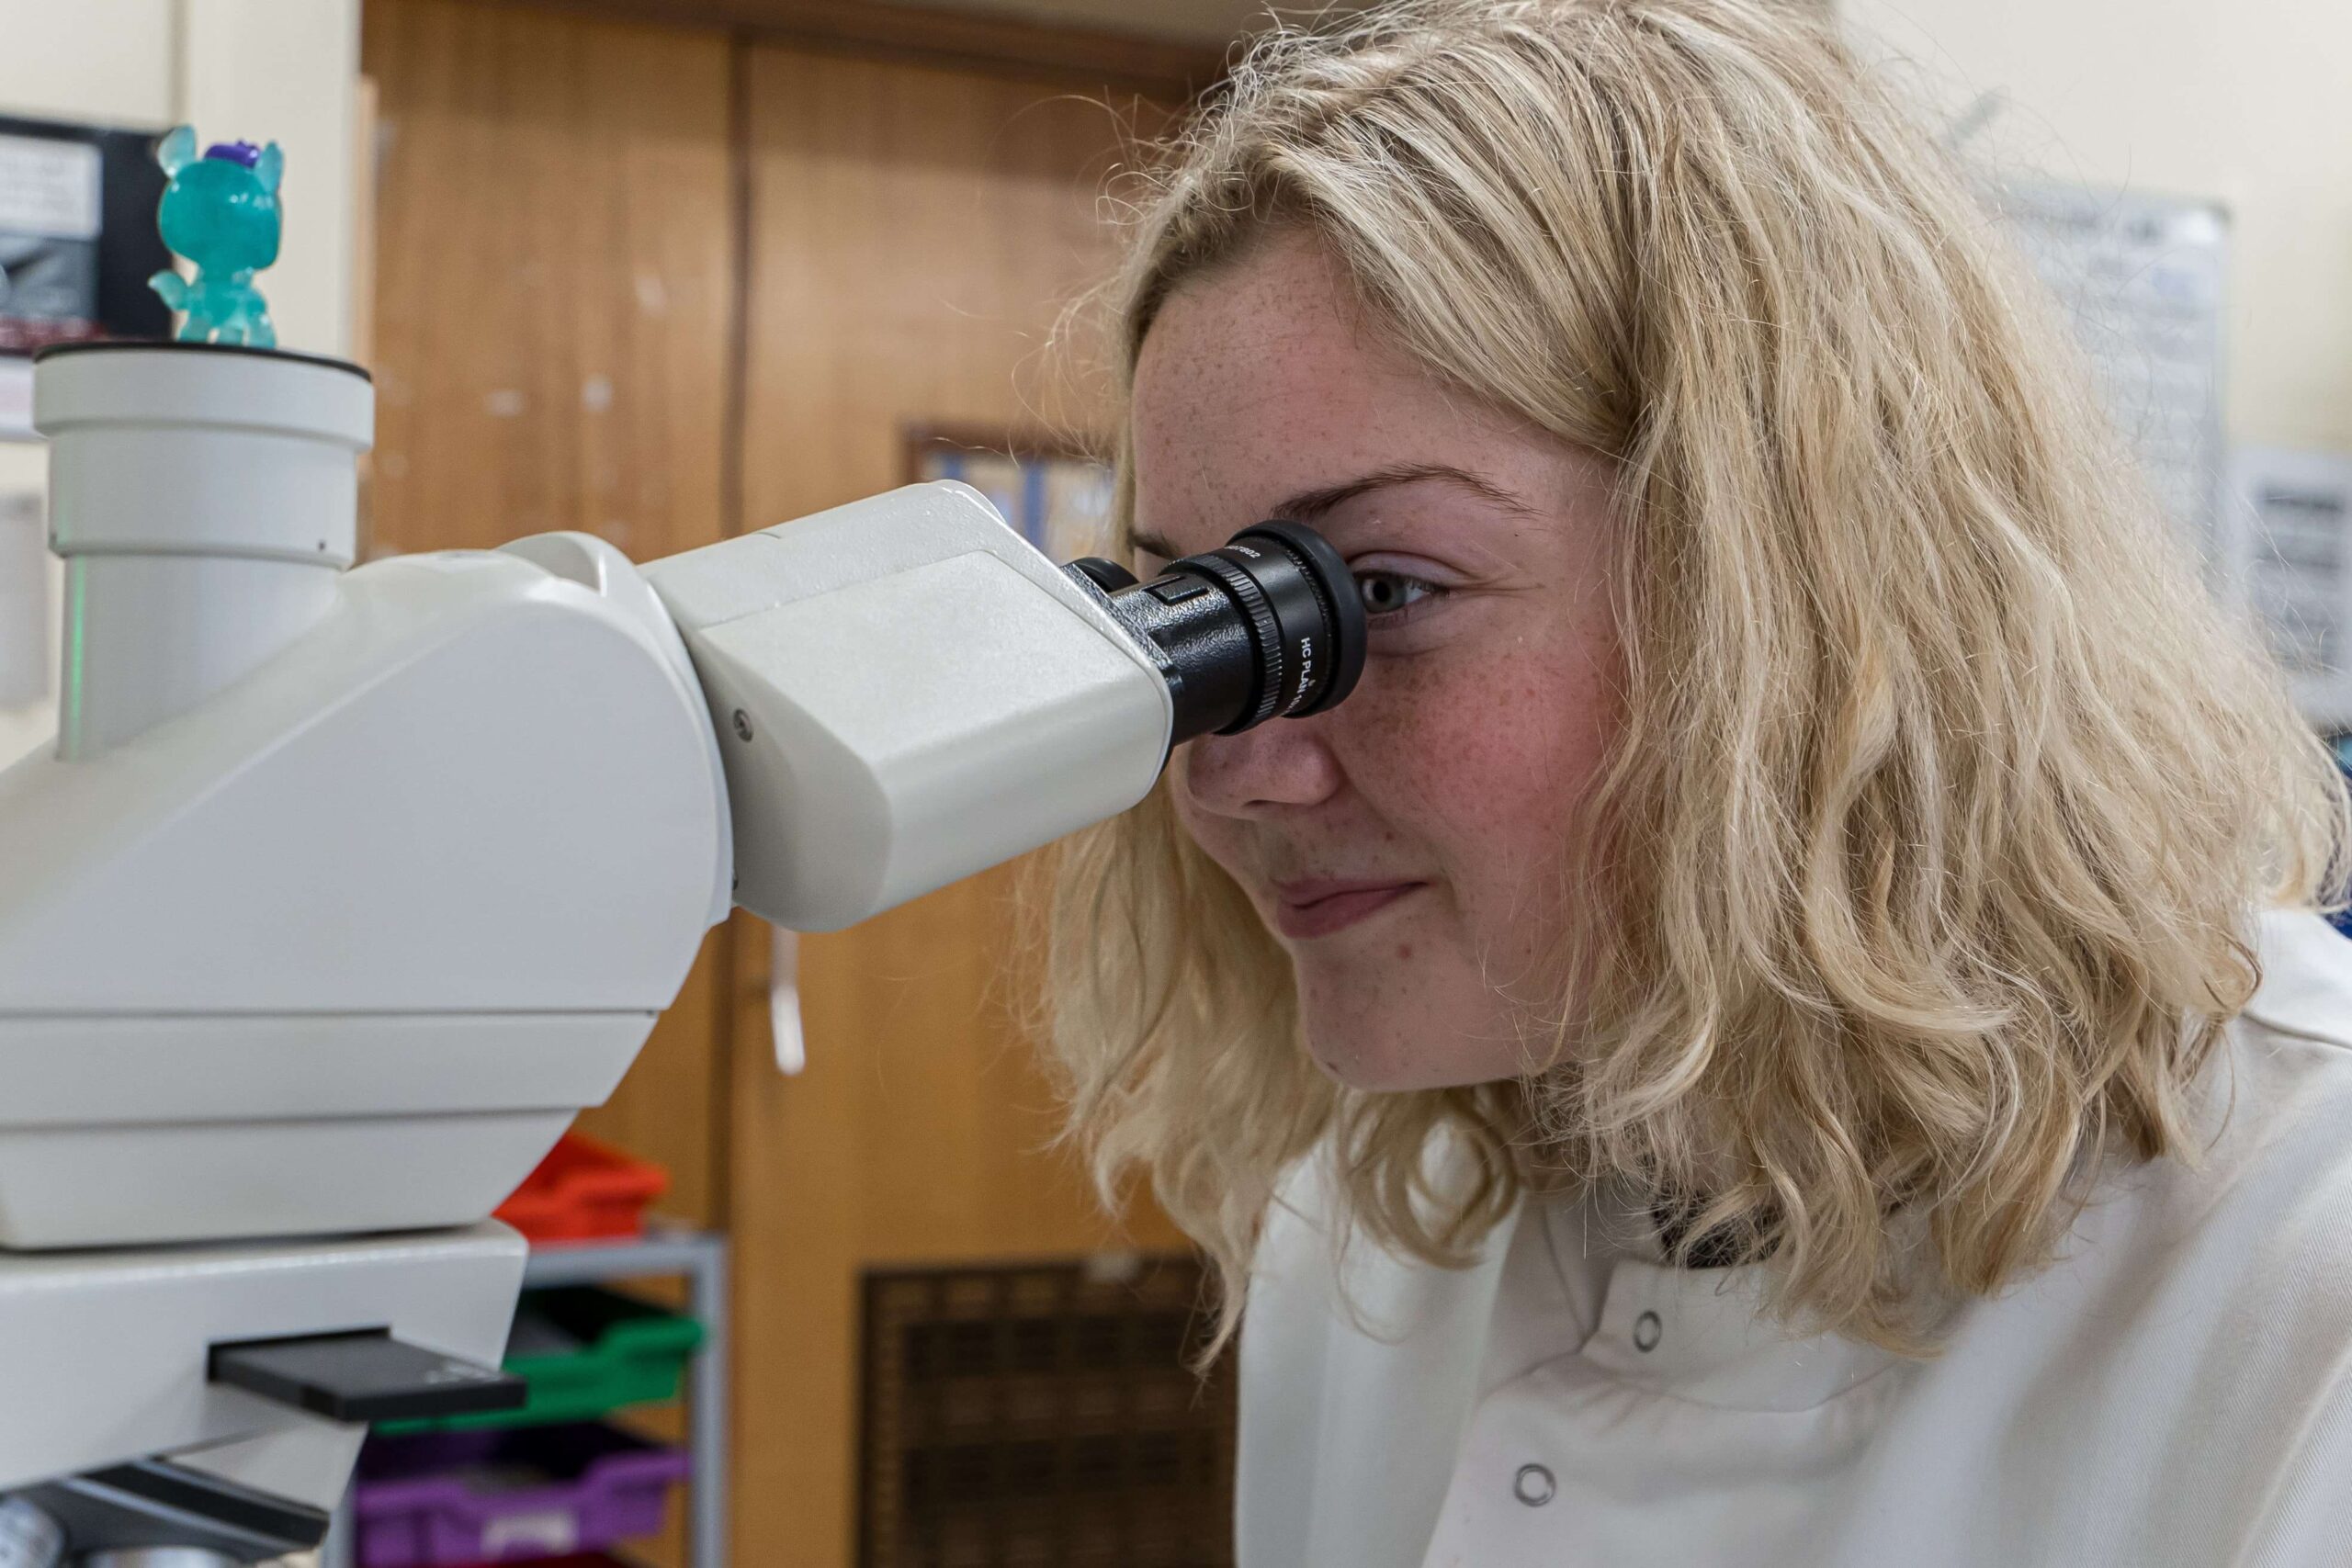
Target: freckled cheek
{"x":1475,"y":755}
{"x":1209,"y":830}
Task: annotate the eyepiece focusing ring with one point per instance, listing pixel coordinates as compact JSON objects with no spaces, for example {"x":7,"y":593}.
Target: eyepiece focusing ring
{"x":1326,"y":573}
{"x":1265,"y":631}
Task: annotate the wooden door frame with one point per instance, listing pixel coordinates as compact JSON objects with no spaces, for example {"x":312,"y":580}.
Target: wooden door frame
{"x":1137,"y":62}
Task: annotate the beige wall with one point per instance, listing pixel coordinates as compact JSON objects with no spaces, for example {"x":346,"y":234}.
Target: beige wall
{"x":263,"y":70}
{"x":2243,"y":100}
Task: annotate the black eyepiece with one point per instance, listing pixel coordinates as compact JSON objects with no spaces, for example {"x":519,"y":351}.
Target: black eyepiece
{"x":1268,"y":627}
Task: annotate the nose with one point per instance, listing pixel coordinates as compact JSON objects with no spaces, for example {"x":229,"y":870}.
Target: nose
{"x":1282,"y":766}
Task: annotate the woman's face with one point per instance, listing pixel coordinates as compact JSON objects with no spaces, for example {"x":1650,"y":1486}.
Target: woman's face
{"x":1404,"y":847}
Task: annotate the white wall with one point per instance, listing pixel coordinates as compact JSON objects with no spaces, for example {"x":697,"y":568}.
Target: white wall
{"x":260,"y":70}
{"x":2246,"y":100}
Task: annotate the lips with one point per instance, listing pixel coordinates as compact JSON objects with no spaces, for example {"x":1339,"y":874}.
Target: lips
{"x":1313,"y":909}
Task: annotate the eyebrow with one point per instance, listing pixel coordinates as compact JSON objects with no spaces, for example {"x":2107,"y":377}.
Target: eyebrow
{"x":1308,"y":507}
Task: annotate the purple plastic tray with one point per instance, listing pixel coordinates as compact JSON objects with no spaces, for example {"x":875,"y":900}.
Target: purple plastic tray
{"x":482,"y":1496}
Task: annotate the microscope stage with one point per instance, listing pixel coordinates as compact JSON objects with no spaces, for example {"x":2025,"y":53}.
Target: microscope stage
{"x":104,"y":1356}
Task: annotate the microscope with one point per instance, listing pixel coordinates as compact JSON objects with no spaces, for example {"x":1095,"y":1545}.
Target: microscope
{"x":342,"y":890}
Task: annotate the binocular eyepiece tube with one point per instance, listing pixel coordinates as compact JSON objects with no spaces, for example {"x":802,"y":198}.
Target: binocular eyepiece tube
{"x":1271,"y":625}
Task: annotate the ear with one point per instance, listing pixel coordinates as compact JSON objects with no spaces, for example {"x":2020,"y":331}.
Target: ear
{"x":178,"y":149}
{"x":270,"y":167}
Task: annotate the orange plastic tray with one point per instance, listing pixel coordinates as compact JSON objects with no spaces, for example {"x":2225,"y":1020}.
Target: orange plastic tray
{"x":585,"y":1190}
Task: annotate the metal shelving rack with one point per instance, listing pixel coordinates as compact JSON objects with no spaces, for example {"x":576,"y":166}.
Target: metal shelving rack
{"x":665,"y":1251}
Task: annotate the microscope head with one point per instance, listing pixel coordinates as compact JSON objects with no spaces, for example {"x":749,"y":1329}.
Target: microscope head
{"x":343,"y":890}
{"x":905,"y":692}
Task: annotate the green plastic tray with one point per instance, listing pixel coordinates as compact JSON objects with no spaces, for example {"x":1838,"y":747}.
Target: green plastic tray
{"x":584,"y":1351}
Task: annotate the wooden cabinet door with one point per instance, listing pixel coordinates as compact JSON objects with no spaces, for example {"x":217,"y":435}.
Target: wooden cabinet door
{"x":553,"y":346}
{"x":917,"y":237}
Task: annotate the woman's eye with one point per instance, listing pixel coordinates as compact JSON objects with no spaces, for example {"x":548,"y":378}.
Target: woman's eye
{"x":1390,"y":592}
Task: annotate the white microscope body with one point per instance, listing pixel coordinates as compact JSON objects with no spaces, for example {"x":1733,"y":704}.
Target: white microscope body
{"x":342,"y":891}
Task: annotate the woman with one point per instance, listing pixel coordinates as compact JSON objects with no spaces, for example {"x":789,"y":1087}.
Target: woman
{"x":1782,"y":1023}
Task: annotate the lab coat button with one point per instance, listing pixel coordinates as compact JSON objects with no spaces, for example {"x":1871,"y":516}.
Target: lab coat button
{"x":1533,"y":1485}
{"x":1647,"y":1329}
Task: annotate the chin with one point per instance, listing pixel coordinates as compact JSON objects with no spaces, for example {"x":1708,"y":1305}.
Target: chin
{"x":1349,"y":1062}
{"x":1374,"y":1060}
{"x":1375,"y":1051}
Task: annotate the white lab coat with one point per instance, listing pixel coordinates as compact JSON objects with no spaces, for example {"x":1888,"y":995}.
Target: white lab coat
{"x":2176,"y":1391}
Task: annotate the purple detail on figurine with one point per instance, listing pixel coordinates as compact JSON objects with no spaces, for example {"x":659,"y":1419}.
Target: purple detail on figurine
{"x":244,"y":152}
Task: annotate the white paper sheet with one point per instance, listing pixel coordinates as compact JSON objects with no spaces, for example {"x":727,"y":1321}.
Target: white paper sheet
{"x":2292,"y":549}
{"x":2142,"y":279}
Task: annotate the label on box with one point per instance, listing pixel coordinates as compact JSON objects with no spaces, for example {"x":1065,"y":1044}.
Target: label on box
{"x":553,"y":1532}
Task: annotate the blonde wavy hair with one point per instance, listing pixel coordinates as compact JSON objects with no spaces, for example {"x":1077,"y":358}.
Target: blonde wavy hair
{"x":1944,"y":796}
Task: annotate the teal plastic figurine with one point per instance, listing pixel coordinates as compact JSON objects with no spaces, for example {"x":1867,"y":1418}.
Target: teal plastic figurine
{"x":220,"y":212}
